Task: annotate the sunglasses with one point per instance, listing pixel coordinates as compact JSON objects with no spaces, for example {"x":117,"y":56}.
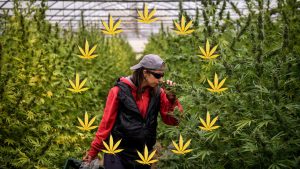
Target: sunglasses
{"x":157,"y":75}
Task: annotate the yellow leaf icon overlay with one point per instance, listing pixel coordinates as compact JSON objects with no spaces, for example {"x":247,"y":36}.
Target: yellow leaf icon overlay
{"x":180,"y":147}
{"x":86,"y":125}
{"x":208,"y":125}
{"x":111,"y":148}
{"x":87,"y":53}
{"x":182,"y":28}
{"x":78,"y":86}
{"x":216,"y":86}
{"x":147,"y":16}
{"x":112,"y":28}
{"x":208,"y":53}
{"x":146,"y":159}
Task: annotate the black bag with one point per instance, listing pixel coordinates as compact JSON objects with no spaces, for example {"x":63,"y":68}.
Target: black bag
{"x":72,"y":163}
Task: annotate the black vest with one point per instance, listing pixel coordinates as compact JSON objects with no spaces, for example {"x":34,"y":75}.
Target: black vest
{"x":134,"y":130}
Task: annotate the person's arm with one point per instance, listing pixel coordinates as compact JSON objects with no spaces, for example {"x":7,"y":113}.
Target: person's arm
{"x":168,"y":105}
{"x":107,"y":122}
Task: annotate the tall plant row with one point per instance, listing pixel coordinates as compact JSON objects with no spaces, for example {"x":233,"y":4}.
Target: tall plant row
{"x":259,"y":112}
{"x":38,"y":114}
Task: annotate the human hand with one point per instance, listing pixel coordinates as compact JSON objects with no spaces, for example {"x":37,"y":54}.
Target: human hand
{"x":170,"y":83}
{"x":87,"y":158}
{"x":170,"y":94}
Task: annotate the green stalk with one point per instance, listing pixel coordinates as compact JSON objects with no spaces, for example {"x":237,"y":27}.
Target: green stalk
{"x":221,"y":12}
{"x":206,"y":19}
{"x":236,"y":10}
{"x":261,"y":38}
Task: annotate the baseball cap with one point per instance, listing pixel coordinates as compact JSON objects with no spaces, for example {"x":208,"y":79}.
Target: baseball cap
{"x":150,"y":61}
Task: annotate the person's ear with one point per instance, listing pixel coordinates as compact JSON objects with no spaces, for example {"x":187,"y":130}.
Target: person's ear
{"x":146,"y":74}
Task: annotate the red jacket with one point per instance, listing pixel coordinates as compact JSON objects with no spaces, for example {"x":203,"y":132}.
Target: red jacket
{"x":111,"y":110}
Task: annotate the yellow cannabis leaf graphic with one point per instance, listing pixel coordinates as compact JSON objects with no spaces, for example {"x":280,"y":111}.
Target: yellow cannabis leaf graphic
{"x":77,"y":87}
{"x":146,"y":159}
{"x":87,"y":53}
{"x":111,"y":148}
{"x":182,"y":28}
{"x":208,"y":125}
{"x":147,"y":17}
{"x":216,"y":87}
{"x":180,"y":148}
{"x":207,"y":53}
{"x":86,"y":126}
{"x":112,"y":28}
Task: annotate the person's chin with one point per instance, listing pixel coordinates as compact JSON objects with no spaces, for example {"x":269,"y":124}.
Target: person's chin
{"x":154,"y":85}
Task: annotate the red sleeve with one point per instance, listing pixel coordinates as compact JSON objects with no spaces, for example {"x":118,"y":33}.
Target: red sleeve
{"x":166,"y":106}
{"x":107,"y":122}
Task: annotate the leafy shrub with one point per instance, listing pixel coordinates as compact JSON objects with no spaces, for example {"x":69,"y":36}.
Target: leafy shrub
{"x":258,"y":114}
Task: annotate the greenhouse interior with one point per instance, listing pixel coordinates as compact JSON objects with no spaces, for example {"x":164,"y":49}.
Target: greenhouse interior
{"x":166,"y":84}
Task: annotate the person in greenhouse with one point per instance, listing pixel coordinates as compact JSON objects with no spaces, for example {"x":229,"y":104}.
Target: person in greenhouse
{"x":130,"y":114}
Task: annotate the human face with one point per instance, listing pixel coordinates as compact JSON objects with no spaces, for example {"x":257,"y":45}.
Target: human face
{"x":153,"y":77}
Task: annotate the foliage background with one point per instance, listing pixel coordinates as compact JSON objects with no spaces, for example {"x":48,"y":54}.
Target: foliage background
{"x":38,"y":114}
{"x":258,"y":114}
